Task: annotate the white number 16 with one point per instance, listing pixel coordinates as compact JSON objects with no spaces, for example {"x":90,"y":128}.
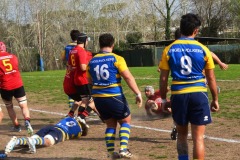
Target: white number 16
{"x":102,"y":72}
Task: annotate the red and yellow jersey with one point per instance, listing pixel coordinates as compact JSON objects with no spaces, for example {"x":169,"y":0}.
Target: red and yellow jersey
{"x":68,"y":82}
{"x":79,"y":56}
{"x":186,"y":58}
{"x":10,"y":77}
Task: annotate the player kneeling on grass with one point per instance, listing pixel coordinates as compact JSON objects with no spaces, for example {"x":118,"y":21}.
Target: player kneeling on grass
{"x":65,"y":129}
{"x":153,"y":106}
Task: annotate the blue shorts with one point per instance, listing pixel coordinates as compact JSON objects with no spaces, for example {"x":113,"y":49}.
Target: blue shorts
{"x":53,"y":131}
{"x":191,"y":107}
{"x":112,"y":107}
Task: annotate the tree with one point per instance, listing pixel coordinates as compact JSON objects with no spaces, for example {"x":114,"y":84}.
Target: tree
{"x":166,"y":13}
{"x":215,"y":15}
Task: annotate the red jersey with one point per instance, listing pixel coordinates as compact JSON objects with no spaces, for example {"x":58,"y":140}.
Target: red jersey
{"x":68,"y":83}
{"x":10,"y":77}
{"x":77,"y":57}
{"x":157,"y":99}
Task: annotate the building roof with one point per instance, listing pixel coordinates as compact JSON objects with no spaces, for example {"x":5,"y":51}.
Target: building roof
{"x":204,"y":40}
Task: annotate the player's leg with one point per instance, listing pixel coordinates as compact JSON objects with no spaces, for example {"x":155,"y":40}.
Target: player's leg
{"x":179,"y":104}
{"x":105,"y":108}
{"x":77,"y":102}
{"x":198,"y":141}
{"x":73,"y":109}
{"x":46,"y":136}
{"x":200,"y":116}
{"x":20,"y":96}
{"x":7,"y":100}
{"x":174,"y":132}
{"x":15,"y":142}
{"x":1,"y":114}
{"x":124,"y":118}
{"x":182,"y":145}
{"x":70,"y":102}
{"x":110,"y":134}
{"x":124,"y":135}
{"x":84,"y":109}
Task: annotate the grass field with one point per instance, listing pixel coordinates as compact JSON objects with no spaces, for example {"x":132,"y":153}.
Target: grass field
{"x":150,"y":138}
{"x":47,"y":87}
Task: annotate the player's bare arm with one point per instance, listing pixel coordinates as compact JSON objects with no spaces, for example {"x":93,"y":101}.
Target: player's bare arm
{"x":222,"y":65}
{"x":163,"y":85}
{"x":213,"y":88}
{"x":132,"y":85}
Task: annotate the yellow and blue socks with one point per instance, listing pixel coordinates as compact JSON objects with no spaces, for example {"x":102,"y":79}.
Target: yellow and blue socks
{"x":110,"y":139}
{"x":39,"y":141}
{"x":124,"y":135}
{"x":21,"y":141}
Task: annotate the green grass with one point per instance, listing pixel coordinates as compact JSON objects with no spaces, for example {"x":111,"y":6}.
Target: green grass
{"x":46,"y":87}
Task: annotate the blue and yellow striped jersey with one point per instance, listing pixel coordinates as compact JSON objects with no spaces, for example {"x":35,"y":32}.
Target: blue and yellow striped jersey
{"x":104,"y":70}
{"x":71,"y":127}
{"x":186,"y":58}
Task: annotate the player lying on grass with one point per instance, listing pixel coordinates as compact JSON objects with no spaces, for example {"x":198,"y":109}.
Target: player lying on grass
{"x":153,"y":106}
{"x":153,"y":102}
{"x":65,"y":129}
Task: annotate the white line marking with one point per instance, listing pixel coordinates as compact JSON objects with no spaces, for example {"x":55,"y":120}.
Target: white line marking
{"x":143,"y":127}
{"x":220,"y":80}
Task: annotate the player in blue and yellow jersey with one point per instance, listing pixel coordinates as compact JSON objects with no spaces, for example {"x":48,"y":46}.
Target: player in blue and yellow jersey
{"x":186,"y":59}
{"x":104,"y":72}
{"x":65,"y":129}
{"x":65,"y":54}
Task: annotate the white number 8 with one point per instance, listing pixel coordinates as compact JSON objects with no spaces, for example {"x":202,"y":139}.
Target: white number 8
{"x":102,"y":73}
{"x":186,"y":64}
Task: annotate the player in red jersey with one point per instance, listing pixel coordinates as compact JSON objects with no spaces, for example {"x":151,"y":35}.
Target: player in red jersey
{"x":153,"y":103}
{"x":153,"y":107}
{"x":12,"y":86}
{"x":65,"y":54}
{"x":78,"y":61}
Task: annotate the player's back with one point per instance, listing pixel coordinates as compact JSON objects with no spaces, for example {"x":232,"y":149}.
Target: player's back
{"x":105,"y":70}
{"x":70,"y":126}
{"x":9,"y":72}
{"x":187,"y":58}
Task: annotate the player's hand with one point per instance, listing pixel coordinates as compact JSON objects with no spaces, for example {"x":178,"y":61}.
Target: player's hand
{"x":223,"y":66}
{"x":166,"y":108}
{"x":139,"y":100}
{"x":214,"y":106}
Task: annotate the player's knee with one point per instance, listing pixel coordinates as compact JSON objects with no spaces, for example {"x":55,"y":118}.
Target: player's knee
{"x":49,"y":140}
{"x":22,"y":100}
{"x":8,"y":104}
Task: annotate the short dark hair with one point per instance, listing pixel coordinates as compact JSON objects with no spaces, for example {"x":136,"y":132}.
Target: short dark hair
{"x":74,"y":34}
{"x":106,"y":40}
{"x":189,"y":22}
{"x":177,"y":33}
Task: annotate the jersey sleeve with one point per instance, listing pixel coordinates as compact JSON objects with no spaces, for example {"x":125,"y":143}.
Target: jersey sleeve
{"x":87,"y":72}
{"x":63,"y":55}
{"x":121,"y":64}
{"x":208,"y":58}
{"x":163,"y":64}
